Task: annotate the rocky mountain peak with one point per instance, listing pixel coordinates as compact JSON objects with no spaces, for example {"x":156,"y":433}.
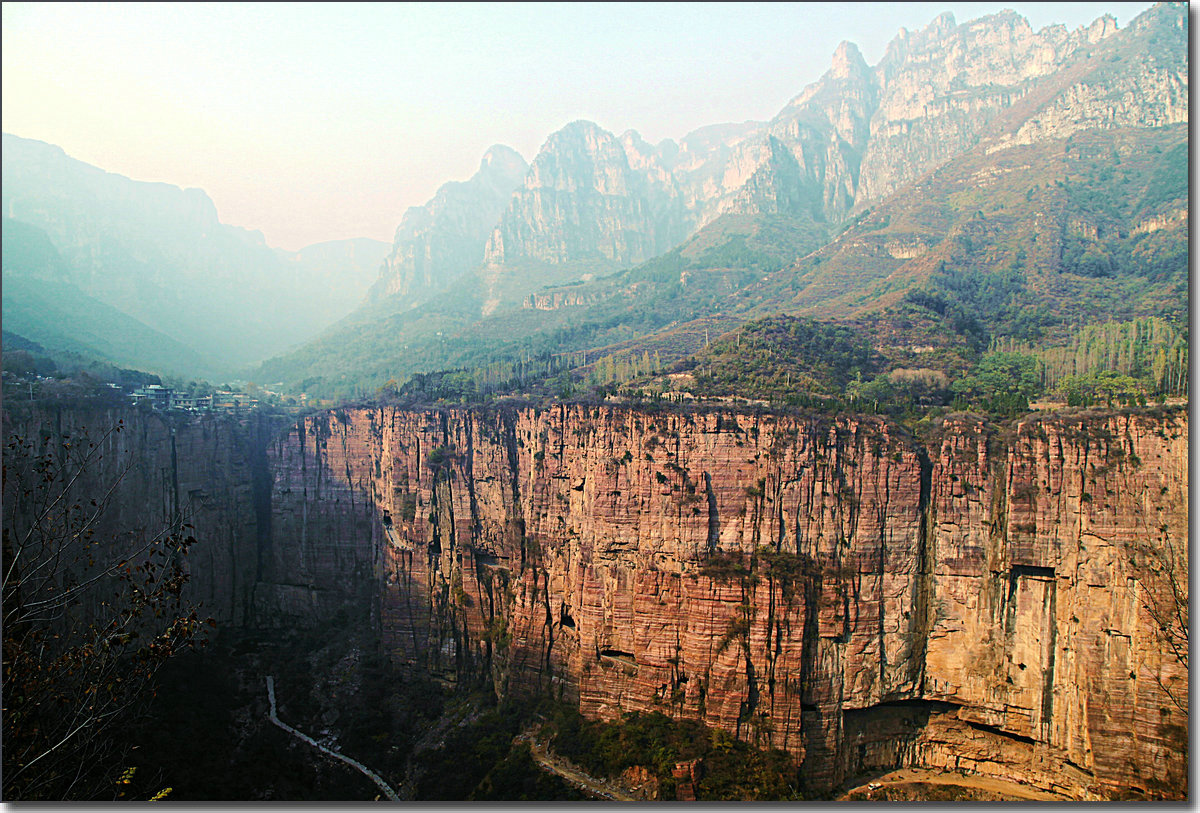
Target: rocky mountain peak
{"x":503,"y":160}
{"x":437,"y":243}
{"x":644,"y":156}
{"x":848,"y":62}
{"x":589,"y":196}
{"x":579,"y":131}
{"x":941,"y":26}
{"x":1102,"y":27}
{"x":1168,"y":15}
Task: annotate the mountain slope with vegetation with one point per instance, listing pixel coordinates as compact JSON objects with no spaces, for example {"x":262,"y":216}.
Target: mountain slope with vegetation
{"x":1040,"y":216}
{"x":42,"y":305}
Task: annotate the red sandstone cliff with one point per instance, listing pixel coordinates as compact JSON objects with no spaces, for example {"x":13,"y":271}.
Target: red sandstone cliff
{"x":1001,"y":602}
{"x":821,"y":586}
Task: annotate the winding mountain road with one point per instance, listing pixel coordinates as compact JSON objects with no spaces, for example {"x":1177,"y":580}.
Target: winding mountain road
{"x":374,"y":777}
{"x":570,"y":774}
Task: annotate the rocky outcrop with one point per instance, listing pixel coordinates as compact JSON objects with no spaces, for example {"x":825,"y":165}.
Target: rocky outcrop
{"x":1137,"y":78}
{"x":592,"y":196}
{"x":1153,"y":224}
{"x":939,"y":89}
{"x":828,"y":587}
{"x":553,"y":300}
{"x":441,"y":241}
{"x":807,"y":159}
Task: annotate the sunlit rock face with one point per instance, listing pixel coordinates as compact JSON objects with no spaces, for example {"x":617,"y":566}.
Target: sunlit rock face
{"x":590,"y":196}
{"x":823,"y":586}
{"x":1010,"y":601}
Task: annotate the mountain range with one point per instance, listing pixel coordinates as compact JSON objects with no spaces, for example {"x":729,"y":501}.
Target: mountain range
{"x":966,"y":147}
{"x":159,"y":281}
{"x":1033,"y":180}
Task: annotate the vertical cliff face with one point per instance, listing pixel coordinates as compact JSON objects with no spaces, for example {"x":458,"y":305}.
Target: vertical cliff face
{"x":826,"y":587}
{"x":321,"y":551}
{"x":149,"y":474}
{"x":590,"y":196}
{"x":807,"y":160}
{"x":1007,"y":601}
{"x":1059,"y":566}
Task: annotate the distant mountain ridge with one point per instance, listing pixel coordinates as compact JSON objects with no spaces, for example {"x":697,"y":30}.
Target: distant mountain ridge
{"x":159,"y":254}
{"x":40,"y":303}
{"x":601,"y":202}
{"x":593,"y":203}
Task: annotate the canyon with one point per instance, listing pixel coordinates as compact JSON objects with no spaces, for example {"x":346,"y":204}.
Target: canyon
{"x":994,"y":599}
{"x":647,"y":486}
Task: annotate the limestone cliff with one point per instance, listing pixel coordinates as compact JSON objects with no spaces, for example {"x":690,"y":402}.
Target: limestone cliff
{"x":441,"y":241}
{"x":825,"y":586}
{"x":591,"y":196}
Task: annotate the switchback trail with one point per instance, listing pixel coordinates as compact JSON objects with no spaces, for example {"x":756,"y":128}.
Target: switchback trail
{"x":374,"y":777}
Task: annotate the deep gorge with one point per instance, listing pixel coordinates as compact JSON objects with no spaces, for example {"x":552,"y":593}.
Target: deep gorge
{"x":981,"y":602}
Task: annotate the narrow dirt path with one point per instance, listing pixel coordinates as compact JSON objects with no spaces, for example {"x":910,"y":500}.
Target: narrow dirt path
{"x":570,"y":773}
{"x":1010,"y":791}
{"x":353,"y":763}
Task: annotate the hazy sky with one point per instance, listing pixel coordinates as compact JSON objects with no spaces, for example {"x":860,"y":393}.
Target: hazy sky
{"x":315,"y":122}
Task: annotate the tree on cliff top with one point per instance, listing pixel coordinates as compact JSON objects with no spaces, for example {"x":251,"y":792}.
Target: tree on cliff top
{"x":89,"y":615}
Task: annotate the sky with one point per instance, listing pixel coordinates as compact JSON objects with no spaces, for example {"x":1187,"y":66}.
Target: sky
{"x":314,"y":122}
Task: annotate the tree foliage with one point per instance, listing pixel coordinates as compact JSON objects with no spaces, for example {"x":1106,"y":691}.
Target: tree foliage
{"x":1001,"y":383}
{"x":89,"y":615}
{"x":781,"y":356}
{"x":730,"y":769}
{"x":1150,"y":350}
